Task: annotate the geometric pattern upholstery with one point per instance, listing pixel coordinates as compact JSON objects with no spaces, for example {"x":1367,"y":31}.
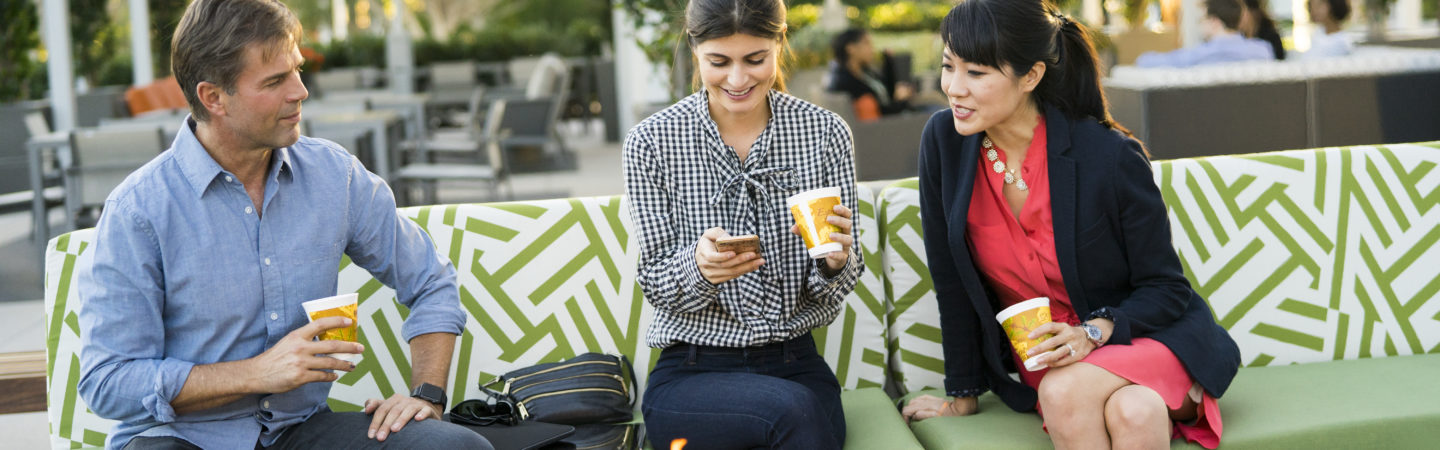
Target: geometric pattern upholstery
{"x":1312,"y":256}
{"x":1303,"y":255}
{"x":540,"y":281}
{"x":855,"y":344}
{"x":72,"y":424}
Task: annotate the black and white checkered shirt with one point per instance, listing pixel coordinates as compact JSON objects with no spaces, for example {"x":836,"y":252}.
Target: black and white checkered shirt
{"x":682,"y":179}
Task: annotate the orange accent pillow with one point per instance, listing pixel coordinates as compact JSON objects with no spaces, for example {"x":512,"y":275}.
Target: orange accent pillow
{"x":867,"y":109}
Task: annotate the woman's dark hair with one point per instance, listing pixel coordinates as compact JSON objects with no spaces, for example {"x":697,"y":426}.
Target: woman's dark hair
{"x":1265,"y":28}
{"x":844,"y":39}
{"x":714,"y":19}
{"x":1019,"y":33}
{"x":1339,"y":10}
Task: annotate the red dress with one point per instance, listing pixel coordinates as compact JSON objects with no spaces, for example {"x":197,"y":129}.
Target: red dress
{"x":1016,"y":257}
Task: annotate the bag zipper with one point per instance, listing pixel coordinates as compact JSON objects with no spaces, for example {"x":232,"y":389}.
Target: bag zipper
{"x":622,"y":438}
{"x":525,"y":412}
{"x":538,"y":383}
{"x":552,"y":369}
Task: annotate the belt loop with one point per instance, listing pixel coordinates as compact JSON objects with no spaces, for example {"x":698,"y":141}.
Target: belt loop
{"x":690,"y":355}
{"x":786,"y":347}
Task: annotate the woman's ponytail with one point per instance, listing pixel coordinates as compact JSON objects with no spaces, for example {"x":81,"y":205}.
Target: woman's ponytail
{"x":1072,"y":82}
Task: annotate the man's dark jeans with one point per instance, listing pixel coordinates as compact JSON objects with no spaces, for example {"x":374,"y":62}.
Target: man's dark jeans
{"x":347,"y":430}
{"x":781,"y":395}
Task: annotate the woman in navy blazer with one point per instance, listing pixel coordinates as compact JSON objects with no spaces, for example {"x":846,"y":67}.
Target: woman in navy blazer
{"x":1008,"y":65}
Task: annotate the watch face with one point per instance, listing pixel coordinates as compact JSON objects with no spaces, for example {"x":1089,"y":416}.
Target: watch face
{"x":1093,"y":332}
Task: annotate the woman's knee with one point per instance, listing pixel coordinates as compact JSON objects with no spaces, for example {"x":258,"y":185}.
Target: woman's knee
{"x":1060,"y":387}
{"x":1135,"y":407}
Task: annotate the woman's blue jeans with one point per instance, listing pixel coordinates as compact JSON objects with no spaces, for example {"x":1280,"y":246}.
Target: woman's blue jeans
{"x":781,"y":395}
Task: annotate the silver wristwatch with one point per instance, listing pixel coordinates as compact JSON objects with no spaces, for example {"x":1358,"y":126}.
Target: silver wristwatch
{"x":1092,"y":332}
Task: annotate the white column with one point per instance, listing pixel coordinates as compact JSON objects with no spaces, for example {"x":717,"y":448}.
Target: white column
{"x":832,"y":17}
{"x":399,"y":54}
{"x":1093,"y":13}
{"x":638,"y":81}
{"x":140,"y":55}
{"x":56,"y":34}
{"x":1405,"y":14}
{"x":1300,"y":13}
{"x":1191,"y":13}
{"x":340,"y":19}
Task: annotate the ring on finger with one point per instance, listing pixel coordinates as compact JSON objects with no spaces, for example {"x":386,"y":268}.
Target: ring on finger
{"x":1071,"y":349}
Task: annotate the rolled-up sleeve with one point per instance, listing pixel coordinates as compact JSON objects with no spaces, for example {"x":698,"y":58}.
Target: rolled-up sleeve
{"x":125,"y":376}
{"x":400,"y":254}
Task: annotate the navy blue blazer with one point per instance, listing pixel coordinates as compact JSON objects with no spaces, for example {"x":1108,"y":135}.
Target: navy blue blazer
{"x":1112,"y":240}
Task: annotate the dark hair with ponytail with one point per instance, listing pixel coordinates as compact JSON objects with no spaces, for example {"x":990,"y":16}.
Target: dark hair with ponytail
{"x":714,"y":19}
{"x":1019,"y":33}
{"x":842,"y":40}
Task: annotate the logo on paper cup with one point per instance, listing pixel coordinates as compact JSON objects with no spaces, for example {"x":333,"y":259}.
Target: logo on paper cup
{"x":344,"y":305}
{"x":810,"y":210}
{"x":1019,"y":320}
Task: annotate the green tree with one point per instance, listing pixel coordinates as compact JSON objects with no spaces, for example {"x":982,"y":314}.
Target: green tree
{"x":164,"y":17}
{"x":19,"y":37}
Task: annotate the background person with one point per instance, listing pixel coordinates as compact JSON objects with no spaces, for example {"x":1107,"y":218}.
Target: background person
{"x":1028,"y":188}
{"x":873,"y":89}
{"x":1326,"y":39}
{"x":1256,"y":23}
{"x":739,"y":368}
{"x":1223,"y":43}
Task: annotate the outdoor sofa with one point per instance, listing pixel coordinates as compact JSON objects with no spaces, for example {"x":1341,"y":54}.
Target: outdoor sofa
{"x":1323,"y":264}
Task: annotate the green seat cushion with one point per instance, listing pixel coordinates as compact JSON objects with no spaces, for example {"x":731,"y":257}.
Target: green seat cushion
{"x":995,"y":426}
{"x":1368,"y":403}
{"x":1391,"y":402}
{"x":873,"y":422}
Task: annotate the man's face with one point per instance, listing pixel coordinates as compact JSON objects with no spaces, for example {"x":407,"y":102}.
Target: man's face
{"x":264,"y":110}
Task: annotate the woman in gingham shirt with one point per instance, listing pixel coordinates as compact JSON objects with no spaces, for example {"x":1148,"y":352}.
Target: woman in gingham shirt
{"x":739,"y":369}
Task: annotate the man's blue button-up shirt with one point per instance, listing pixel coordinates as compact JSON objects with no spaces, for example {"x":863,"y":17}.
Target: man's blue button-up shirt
{"x":188,"y":272}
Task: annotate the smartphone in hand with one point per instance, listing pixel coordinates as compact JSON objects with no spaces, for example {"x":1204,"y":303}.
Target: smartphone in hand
{"x":738,"y":244}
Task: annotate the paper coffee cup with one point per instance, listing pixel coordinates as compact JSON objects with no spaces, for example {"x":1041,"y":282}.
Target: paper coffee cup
{"x":1019,"y":320}
{"x":343,"y":305}
{"x":810,"y":209}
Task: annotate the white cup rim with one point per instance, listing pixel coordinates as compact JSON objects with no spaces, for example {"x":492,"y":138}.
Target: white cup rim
{"x":1021,"y":307}
{"x":803,"y":197}
{"x":321,"y":304}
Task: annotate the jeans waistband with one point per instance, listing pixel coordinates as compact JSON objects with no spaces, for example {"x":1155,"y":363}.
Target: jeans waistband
{"x":787,"y":348}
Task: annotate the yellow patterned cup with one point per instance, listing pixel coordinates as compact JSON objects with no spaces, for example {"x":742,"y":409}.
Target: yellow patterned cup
{"x":810,"y":209}
{"x":343,"y":305}
{"x":1019,"y":320}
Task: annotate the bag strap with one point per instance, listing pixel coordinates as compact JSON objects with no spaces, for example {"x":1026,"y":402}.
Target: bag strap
{"x":629,"y":375}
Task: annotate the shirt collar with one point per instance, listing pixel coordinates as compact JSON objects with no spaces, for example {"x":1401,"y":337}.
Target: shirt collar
{"x":200,"y":169}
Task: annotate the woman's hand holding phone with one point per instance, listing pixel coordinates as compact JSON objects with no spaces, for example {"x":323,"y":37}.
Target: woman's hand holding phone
{"x":722,"y":257}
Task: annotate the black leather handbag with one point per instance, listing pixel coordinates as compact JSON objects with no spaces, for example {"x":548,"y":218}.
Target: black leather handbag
{"x":588,"y":389}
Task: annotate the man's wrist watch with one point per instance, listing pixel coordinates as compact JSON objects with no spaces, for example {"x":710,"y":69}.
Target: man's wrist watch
{"x":1093,"y":333}
{"x":430,"y":393}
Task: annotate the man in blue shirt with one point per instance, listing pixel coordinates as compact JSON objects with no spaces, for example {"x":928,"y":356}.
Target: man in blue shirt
{"x":1222,"y":42}
{"x":193,"y":333}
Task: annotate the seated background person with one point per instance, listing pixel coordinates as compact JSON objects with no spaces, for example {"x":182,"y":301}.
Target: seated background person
{"x":853,"y":72}
{"x":1256,"y":23}
{"x":1223,"y":43}
{"x":1326,"y":38}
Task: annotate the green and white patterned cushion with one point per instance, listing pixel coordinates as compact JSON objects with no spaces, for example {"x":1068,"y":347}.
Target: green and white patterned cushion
{"x":540,"y":280}
{"x":1314,"y":255}
{"x":72,"y":424}
{"x":855,"y":344}
{"x":916,"y":358}
{"x":1304,"y":255}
